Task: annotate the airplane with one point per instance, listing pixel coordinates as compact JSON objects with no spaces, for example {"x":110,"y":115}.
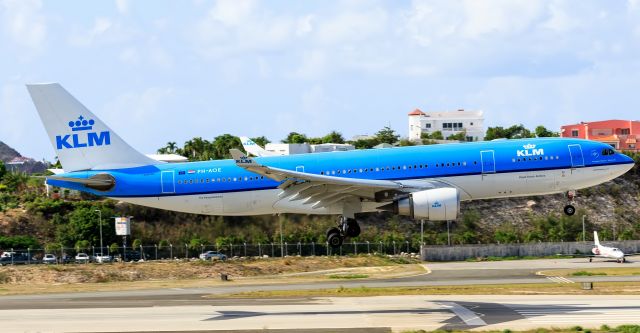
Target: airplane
{"x":422,"y":182}
{"x":252,"y":148}
{"x":601,"y":251}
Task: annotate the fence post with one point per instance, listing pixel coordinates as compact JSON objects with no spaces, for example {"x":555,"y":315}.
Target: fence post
{"x":408,"y":247}
{"x":259,"y":250}
{"x":231,"y":249}
{"x":394,"y":247}
{"x":12,"y":252}
{"x":327,"y":245}
{"x":29,"y":255}
{"x":93,"y":251}
{"x":299,"y":249}
{"x":171,"y":251}
{"x":142,"y":255}
{"x":355,"y":248}
{"x":368,"y":248}
{"x":186,"y":251}
{"x":156,"y":245}
{"x":313,"y":248}
{"x":245,"y":249}
{"x":273,"y":250}
{"x":380,"y":247}
{"x":286,"y":250}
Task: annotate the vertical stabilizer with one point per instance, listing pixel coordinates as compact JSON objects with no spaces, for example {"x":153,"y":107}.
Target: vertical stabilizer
{"x":80,"y":139}
{"x":252,"y":148}
{"x":595,"y":238}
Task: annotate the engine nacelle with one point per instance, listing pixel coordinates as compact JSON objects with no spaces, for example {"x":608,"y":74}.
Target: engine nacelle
{"x":440,"y":204}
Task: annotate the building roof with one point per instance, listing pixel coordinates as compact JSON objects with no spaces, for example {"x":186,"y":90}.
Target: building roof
{"x":171,"y":158}
{"x":417,"y":112}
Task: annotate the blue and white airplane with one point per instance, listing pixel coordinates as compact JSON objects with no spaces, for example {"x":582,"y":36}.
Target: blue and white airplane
{"x":424,"y":182}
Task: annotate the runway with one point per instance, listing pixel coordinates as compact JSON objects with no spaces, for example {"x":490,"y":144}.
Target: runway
{"x":198,"y":309}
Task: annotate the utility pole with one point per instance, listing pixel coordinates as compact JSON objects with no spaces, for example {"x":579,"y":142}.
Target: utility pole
{"x":100,"y":224}
{"x":583,"y":230}
{"x":281,"y":238}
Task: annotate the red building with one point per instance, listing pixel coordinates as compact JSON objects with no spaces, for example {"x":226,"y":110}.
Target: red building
{"x":621,"y":134}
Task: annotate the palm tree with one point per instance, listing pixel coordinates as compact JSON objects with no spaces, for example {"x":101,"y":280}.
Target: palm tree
{"x":171,"y":147}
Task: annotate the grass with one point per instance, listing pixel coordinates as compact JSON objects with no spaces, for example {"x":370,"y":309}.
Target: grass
{"x":604,"y":288}
{"x":492,"y":258}
{"x":611,"y":271}
{"x":348,"y":276}
{"x":602,"y":329}
{"x":587,"y":273}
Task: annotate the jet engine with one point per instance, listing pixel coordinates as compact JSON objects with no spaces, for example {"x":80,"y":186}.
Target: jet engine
{"x":440,"y":204}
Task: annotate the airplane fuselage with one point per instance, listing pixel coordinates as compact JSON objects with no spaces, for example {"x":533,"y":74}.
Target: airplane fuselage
{"x":479,"y":170}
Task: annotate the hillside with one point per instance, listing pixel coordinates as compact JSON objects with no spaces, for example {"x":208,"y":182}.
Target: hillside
{"x":7,"y":153}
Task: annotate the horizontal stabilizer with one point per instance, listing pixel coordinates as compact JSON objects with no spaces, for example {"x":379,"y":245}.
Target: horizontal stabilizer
{"x":100,"y":182}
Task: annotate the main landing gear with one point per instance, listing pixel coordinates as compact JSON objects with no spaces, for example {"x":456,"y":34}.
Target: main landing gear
{"x":570,"y":209}
{"x":347,"y":227}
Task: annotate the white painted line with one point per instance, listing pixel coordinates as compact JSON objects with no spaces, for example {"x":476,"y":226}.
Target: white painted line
{"x":469,"y":317}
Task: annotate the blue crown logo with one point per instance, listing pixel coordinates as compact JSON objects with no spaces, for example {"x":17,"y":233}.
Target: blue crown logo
{"x":81,"y":124}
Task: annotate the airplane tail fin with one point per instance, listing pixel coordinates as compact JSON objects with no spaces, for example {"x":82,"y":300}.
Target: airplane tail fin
{"x":81,"y":140}
{"x":252,"y":148}
{"x":596,"y":241}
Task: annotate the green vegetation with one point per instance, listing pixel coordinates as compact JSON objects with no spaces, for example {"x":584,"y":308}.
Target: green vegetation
{"x":586,"y":273}
{"x":348,"y":276}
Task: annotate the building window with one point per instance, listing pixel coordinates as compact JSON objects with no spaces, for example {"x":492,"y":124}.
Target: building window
{"x":632,"y":146}
{"x":625,"y":131}
{"x":574,"y":132}
{"x":427,"y":125}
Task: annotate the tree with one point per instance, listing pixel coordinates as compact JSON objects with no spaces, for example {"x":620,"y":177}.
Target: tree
{"x":387,"y":135}
{"x":261,"y":141}
{"x":223,"y":143}
{"x":136,"y":243}
{"x":405,"y":143}
{"x":497,"y":132}
{"x":82,"y":245}
{"x":83,"y":225}
{"x":543,"y":132}
{"x":295,"y":137}
{"x":3,"y":170}
{"x":333,"y":137}
{"x":461,"y":136}
{"x":437,"y":135}
{"x":513,"y":132}
{"x":114,"y":248}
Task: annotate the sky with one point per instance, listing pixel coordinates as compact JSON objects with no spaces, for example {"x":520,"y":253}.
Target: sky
{"x":158,"y":71}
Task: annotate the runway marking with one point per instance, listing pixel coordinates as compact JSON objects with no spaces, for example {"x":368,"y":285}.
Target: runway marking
{"x":559,"y":279}
{"x":469,"y":317}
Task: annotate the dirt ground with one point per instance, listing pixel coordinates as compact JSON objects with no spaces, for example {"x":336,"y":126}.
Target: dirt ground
{"x":182,"y":270}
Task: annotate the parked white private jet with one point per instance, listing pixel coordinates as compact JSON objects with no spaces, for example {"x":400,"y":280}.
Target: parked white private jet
{"x":601,"y":251}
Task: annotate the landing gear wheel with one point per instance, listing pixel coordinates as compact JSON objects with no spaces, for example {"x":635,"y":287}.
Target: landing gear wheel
{"x":590,"y":259}
{"x":334,"y":238}
{"x":624,"y":259}
{"x":351,"y":228}
{"x":331,"y":231}
{"x":569,"y":210}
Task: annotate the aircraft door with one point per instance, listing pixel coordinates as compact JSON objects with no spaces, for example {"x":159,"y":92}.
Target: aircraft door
{"x":487,"y":159}
{"x":167,"y":181}
{"x":577,"y":160}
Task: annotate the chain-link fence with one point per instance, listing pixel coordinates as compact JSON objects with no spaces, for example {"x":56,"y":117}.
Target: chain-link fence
{"x":189,"y":251}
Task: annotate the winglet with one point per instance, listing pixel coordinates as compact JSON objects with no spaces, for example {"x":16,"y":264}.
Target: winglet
{"x":242,"y":160}
{"x":595,"y":238}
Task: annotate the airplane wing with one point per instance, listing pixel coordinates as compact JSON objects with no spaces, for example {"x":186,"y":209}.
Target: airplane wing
{"x":324,"y":190}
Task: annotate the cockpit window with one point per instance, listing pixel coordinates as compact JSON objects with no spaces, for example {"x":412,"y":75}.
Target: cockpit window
{"x":615,"y":250}
{"x":607,"y":151}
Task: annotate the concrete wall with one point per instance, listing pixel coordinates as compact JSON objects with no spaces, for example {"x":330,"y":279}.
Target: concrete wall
{"x":463,"y":252}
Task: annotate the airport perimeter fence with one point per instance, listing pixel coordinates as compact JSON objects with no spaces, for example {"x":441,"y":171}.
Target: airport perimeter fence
{"x":464,"y":252}
{"x":186,"y":251}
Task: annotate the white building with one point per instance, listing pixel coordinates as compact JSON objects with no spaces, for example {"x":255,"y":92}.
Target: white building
{"x":288,"y":148}
{"x":447,"y":122}
{"x":328,"y":147}
{"x":305,"y":148}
